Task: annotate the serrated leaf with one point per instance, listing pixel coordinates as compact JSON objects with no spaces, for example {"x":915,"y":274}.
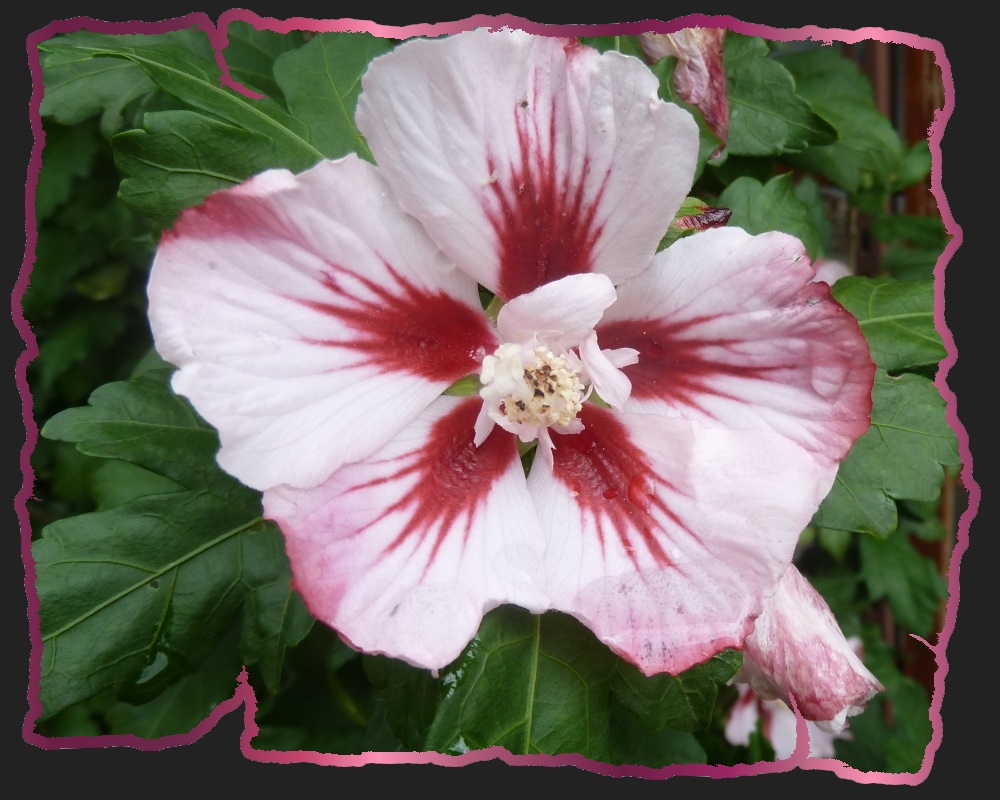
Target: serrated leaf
{"x":632,"y":743}
{"x":251,"y":53}
{"x":143,"y":422}
{"x":897,"y":319}
{"x":180,"y":157}
{"x":868,"y":150}
{"x":134,"y":597}
{"x":902,"y":456}
{"x":78,"y":86}
{"x":684,"y":702}
{"x":532,"y":684}
{"x":72,"y":340}
{"x":274,"y":619}
{"x":114,"y":483}
{"x":68,"y":155}
{"x":197,"y":82}
{"x":807,"y":190}
{"x":773,"y":206}
{"x":410,"y":698}
{"x":894,"y":570}
{"x":321,"y":82}
{"x":185,"y":704}
{"x":766,"y":115}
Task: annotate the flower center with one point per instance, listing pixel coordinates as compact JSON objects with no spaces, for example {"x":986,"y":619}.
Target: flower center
{"x":532,"y":387}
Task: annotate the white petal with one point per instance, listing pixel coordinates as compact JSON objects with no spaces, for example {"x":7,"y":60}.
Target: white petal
{"x":529,"y":158}
{"x":404,"y":552}
{"x":665,"y":536}
{"x":566,"y":310}
{"x":732,"y":331}
{"x":610,"y":382}
{"x":310,"y":320}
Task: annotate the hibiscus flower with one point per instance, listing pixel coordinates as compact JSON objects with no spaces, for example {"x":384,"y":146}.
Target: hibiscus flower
{"x":646,"y":434}
{"x":766,"y":702}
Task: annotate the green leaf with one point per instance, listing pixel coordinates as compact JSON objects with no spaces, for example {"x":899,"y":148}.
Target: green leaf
{"x":923,"y":232}
{"x":807,"y":190}
{"x":894,"y":570}
{"x":72,"y":340}
{"x":134,"y":597}
{"x":274,"y":618}
{"x":923,"y":519}
{"x":835,"y":542}
{"x":321,"y":82}
{"x":902,"y":456}
{"x":878,"y":746}
{"x":410,"y":698}
{"x":897,"y":319}
{"x":868,"y":151}
{"x":114,"y":483}
{"x":766,"y":115}
{"x":251,"y":53}
{"x":59,"y":257}
{"x":772,"y":206}
{"x":79,"y":86}
{"x":908,"y":264}
{"x":185,"y":704}
{"x":915,"y":166}
{"x":143,"y":422}
{"x":68,"y":155}
{"x":633,"y":743}
{"x":684,"y":702}
{"x":180,"y":157}
{"x":532,"y":684}
{"x":197,"y":82}
{"x":325,"y":702}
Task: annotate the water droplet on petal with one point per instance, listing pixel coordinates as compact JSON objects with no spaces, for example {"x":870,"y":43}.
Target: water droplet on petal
{"x":582,"y":442}
{"x":639,"y":490}
{"x":651,"y":351}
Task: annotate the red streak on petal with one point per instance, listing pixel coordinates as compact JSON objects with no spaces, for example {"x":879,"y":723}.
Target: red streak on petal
{"x":405,"y":328}
{"x":453,"y":478}
{"x":614,"y":482}
{"x":672,"y":366}
{"x":545,"y":228}
{"x":401,"y":328}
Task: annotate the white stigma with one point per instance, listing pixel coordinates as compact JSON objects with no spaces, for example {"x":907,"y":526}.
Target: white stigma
{"x":527,"y":387}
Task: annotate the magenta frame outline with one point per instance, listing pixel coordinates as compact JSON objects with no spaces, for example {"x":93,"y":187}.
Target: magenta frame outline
{"x":244,"y":694}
